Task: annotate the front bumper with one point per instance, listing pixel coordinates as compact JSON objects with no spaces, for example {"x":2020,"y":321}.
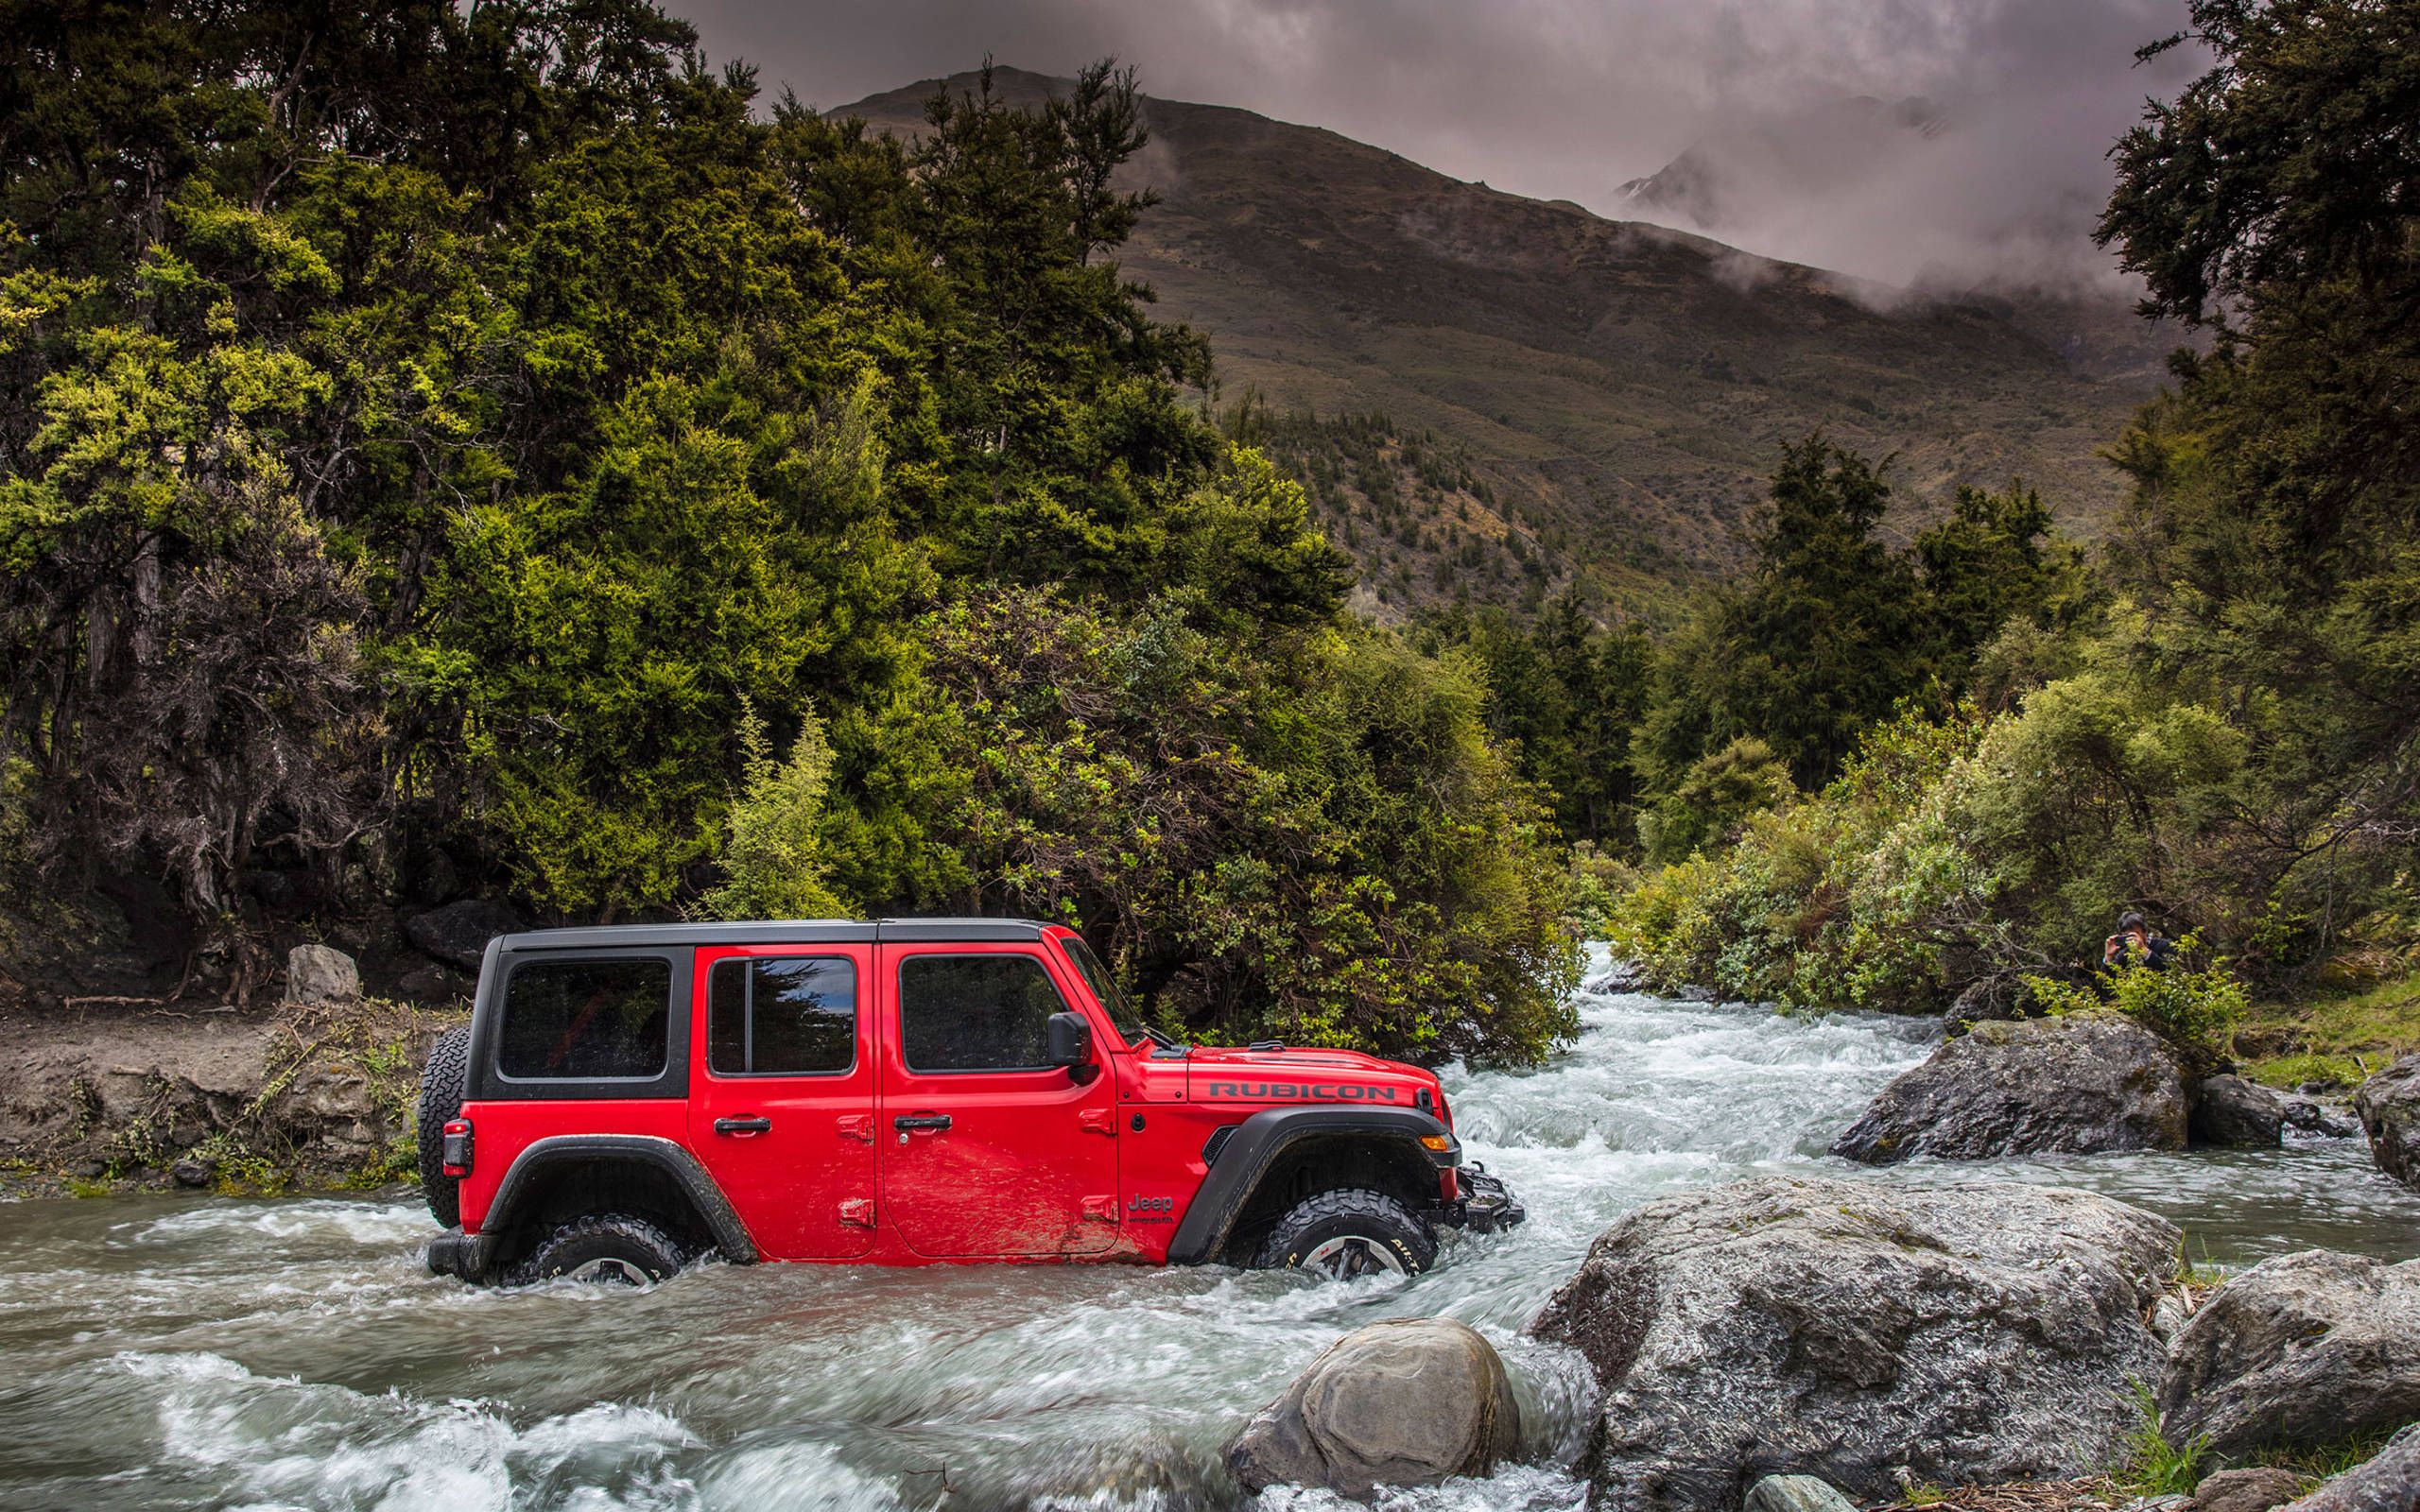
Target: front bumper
{"x":1487,"y":1204}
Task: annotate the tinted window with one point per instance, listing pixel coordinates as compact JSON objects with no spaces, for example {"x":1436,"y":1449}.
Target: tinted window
{"x":787,"y":1017}
{"x":975,"y":1012}
{"x":576,"y":1021}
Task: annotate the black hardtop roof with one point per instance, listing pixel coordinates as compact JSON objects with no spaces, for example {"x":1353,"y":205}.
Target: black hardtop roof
{"x":774,"y":931}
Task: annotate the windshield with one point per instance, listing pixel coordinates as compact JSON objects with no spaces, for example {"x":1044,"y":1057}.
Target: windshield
{"x":1121,"y":1013}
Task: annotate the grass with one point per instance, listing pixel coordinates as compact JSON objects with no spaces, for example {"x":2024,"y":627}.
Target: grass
{"x":2339,"y":1040}
{"x":2153,"y":1465}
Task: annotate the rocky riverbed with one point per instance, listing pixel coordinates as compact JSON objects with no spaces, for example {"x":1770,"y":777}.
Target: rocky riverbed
{"x":200,"y":1350}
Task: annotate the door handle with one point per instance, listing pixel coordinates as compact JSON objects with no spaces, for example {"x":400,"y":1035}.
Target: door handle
{"x":935,"y":1122}
{"x":750,"y":1125}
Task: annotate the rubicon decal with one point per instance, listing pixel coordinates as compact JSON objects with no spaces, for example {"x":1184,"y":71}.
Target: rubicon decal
{"x":1301,"y":1092}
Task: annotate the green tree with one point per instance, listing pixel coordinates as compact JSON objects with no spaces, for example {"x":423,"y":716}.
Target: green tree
{"x":772,"y":857}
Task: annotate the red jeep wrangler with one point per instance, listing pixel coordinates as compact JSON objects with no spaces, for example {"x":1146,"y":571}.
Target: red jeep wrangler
{"x":625,"y":1100}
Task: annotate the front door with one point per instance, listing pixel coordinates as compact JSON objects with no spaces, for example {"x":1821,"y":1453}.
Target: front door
{"x":783,"y":1091}
{"x":987,"y":1151}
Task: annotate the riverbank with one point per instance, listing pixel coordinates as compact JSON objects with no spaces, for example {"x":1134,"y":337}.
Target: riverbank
{"x":111,"y":1096}
{"x":2337,"y":1040}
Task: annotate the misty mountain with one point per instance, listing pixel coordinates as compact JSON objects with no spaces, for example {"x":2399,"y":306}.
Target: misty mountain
{"x":1584,"y":395}
{"x":1730,"y":178}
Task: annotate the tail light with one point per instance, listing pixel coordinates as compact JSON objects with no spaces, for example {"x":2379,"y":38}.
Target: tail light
{"x":457,"y":1147}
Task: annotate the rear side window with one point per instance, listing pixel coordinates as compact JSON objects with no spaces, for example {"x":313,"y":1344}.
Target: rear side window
{"x":787,"y":1016}
{"x":586,"y":1021}
{"x":975,"y":1012}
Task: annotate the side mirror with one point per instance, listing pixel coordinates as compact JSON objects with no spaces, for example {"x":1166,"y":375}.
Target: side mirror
{"x":1071,"y":1045}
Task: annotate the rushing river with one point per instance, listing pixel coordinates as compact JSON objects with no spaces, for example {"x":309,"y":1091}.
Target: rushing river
{"x":202,"y":1352}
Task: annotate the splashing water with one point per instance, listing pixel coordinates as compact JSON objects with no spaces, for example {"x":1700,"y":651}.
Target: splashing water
{"x":166,"y":1352}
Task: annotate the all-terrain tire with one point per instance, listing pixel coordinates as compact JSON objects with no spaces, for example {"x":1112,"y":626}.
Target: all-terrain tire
{"x":442,"y":1082}
{"x":1349,"y":1233}
{"x":609,"y":1248}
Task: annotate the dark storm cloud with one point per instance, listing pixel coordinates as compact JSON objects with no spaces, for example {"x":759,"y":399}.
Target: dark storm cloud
{"x":1569,"y":99}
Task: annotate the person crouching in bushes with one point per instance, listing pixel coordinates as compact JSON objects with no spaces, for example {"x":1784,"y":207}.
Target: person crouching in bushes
{"x":2136,"y":945}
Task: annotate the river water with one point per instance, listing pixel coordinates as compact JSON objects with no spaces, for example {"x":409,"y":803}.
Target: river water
{"x":206,"y":1352}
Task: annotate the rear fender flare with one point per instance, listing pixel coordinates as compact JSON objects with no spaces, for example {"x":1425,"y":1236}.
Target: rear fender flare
{"x":1249,"y":1153}
{"x":524,"y":1175}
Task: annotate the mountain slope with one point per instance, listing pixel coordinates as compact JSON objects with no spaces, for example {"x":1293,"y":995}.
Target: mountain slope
{"x":1622,"y":389}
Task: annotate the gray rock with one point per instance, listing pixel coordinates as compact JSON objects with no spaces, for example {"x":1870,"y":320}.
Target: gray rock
{"x":2079,"y":1085}
{"x":1795,"y":1493}
{"x":2312,"y":1118}
{"x":2169,"y":1318}
{"x":2256,"y":1489}
{"x":320,"y":973}
{"x":1855,"y":1331}
{"x":190,"y":1174}
{"x":459,"y":933}
{"x":2388,"y":1481}
{"x":1621,"y":976}
{"x":1406,"y":1403}
{"x":2388,"y":1106}
{"x":1984,"y":999}
{"x":2229,"y":1110}
{"x":2302,"y":1352}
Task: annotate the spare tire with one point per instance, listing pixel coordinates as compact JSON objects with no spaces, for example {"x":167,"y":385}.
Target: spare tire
{"x":442,"y":1082}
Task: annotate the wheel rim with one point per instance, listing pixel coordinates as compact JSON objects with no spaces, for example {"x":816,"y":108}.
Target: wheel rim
{"x":1347,"y":1256}
{"x":609,"y":1270}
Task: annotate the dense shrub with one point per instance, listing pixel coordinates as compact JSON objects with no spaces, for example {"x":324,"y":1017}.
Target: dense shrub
{"x":2196,"y":1011}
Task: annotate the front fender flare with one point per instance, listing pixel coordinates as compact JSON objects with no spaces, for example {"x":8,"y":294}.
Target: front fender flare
{"x":1248,"y":1154}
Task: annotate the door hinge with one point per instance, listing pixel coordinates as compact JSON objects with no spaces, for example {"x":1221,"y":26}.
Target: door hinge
{"x":1098,"y":1121}
{"x":1105,"y":1208}
{"x":857,"y":1126}
{"x":857,"y":1212}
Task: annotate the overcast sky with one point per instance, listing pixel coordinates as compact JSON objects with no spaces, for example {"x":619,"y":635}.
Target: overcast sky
{"x":1570,"y":98}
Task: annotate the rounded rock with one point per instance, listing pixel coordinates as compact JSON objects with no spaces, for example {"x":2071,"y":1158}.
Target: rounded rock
{"x":1411,"y":1401}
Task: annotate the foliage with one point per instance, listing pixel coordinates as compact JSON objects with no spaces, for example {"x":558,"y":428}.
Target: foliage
{"x":772,"y":862}
{"x":1714,"y":797}
{"x":1951,"y":850}
{"x":1310,"y":838}
{"x":2338,"y":1037}
{"x":1566,"y":694}
{"x":2153,"y":1466}
{"x":448,"y":427}
{"x":2195,"y":1011}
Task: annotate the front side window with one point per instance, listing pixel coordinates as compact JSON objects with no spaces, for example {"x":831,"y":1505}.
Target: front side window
{"x":586,"y":1021}
{"x":977,"y":1012}
{"x":783,"y":1016}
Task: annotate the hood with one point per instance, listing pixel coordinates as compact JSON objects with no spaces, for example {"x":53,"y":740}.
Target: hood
{"x":1276,"y":1077}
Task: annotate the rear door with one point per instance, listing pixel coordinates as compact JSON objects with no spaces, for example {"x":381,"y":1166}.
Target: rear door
{"x":987,"y":1151}
{"x":782,"y":1101}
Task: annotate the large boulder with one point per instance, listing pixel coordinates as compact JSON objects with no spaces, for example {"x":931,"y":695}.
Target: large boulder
{"x":2303,"y":1351}
{"x":320,"y":973}
{"x":1406,"y":1403}
{"x":2077,"y":1085}
{"x":459,"y":933}
{"x":1853,"y":1331}
{"x":2388,"y":1481}
{"x":2388,"y":1106}
{"x":2240,"y":1114}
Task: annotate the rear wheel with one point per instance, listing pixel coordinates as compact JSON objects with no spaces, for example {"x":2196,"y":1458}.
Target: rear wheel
{"x":607,"y":1250}
{"x":442,"y":1086}
{"x":1349,"y":1233}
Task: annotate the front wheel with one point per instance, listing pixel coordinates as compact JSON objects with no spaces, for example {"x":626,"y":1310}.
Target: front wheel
{"x":607,"y":1251}
{"x":1349,"y":1233}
